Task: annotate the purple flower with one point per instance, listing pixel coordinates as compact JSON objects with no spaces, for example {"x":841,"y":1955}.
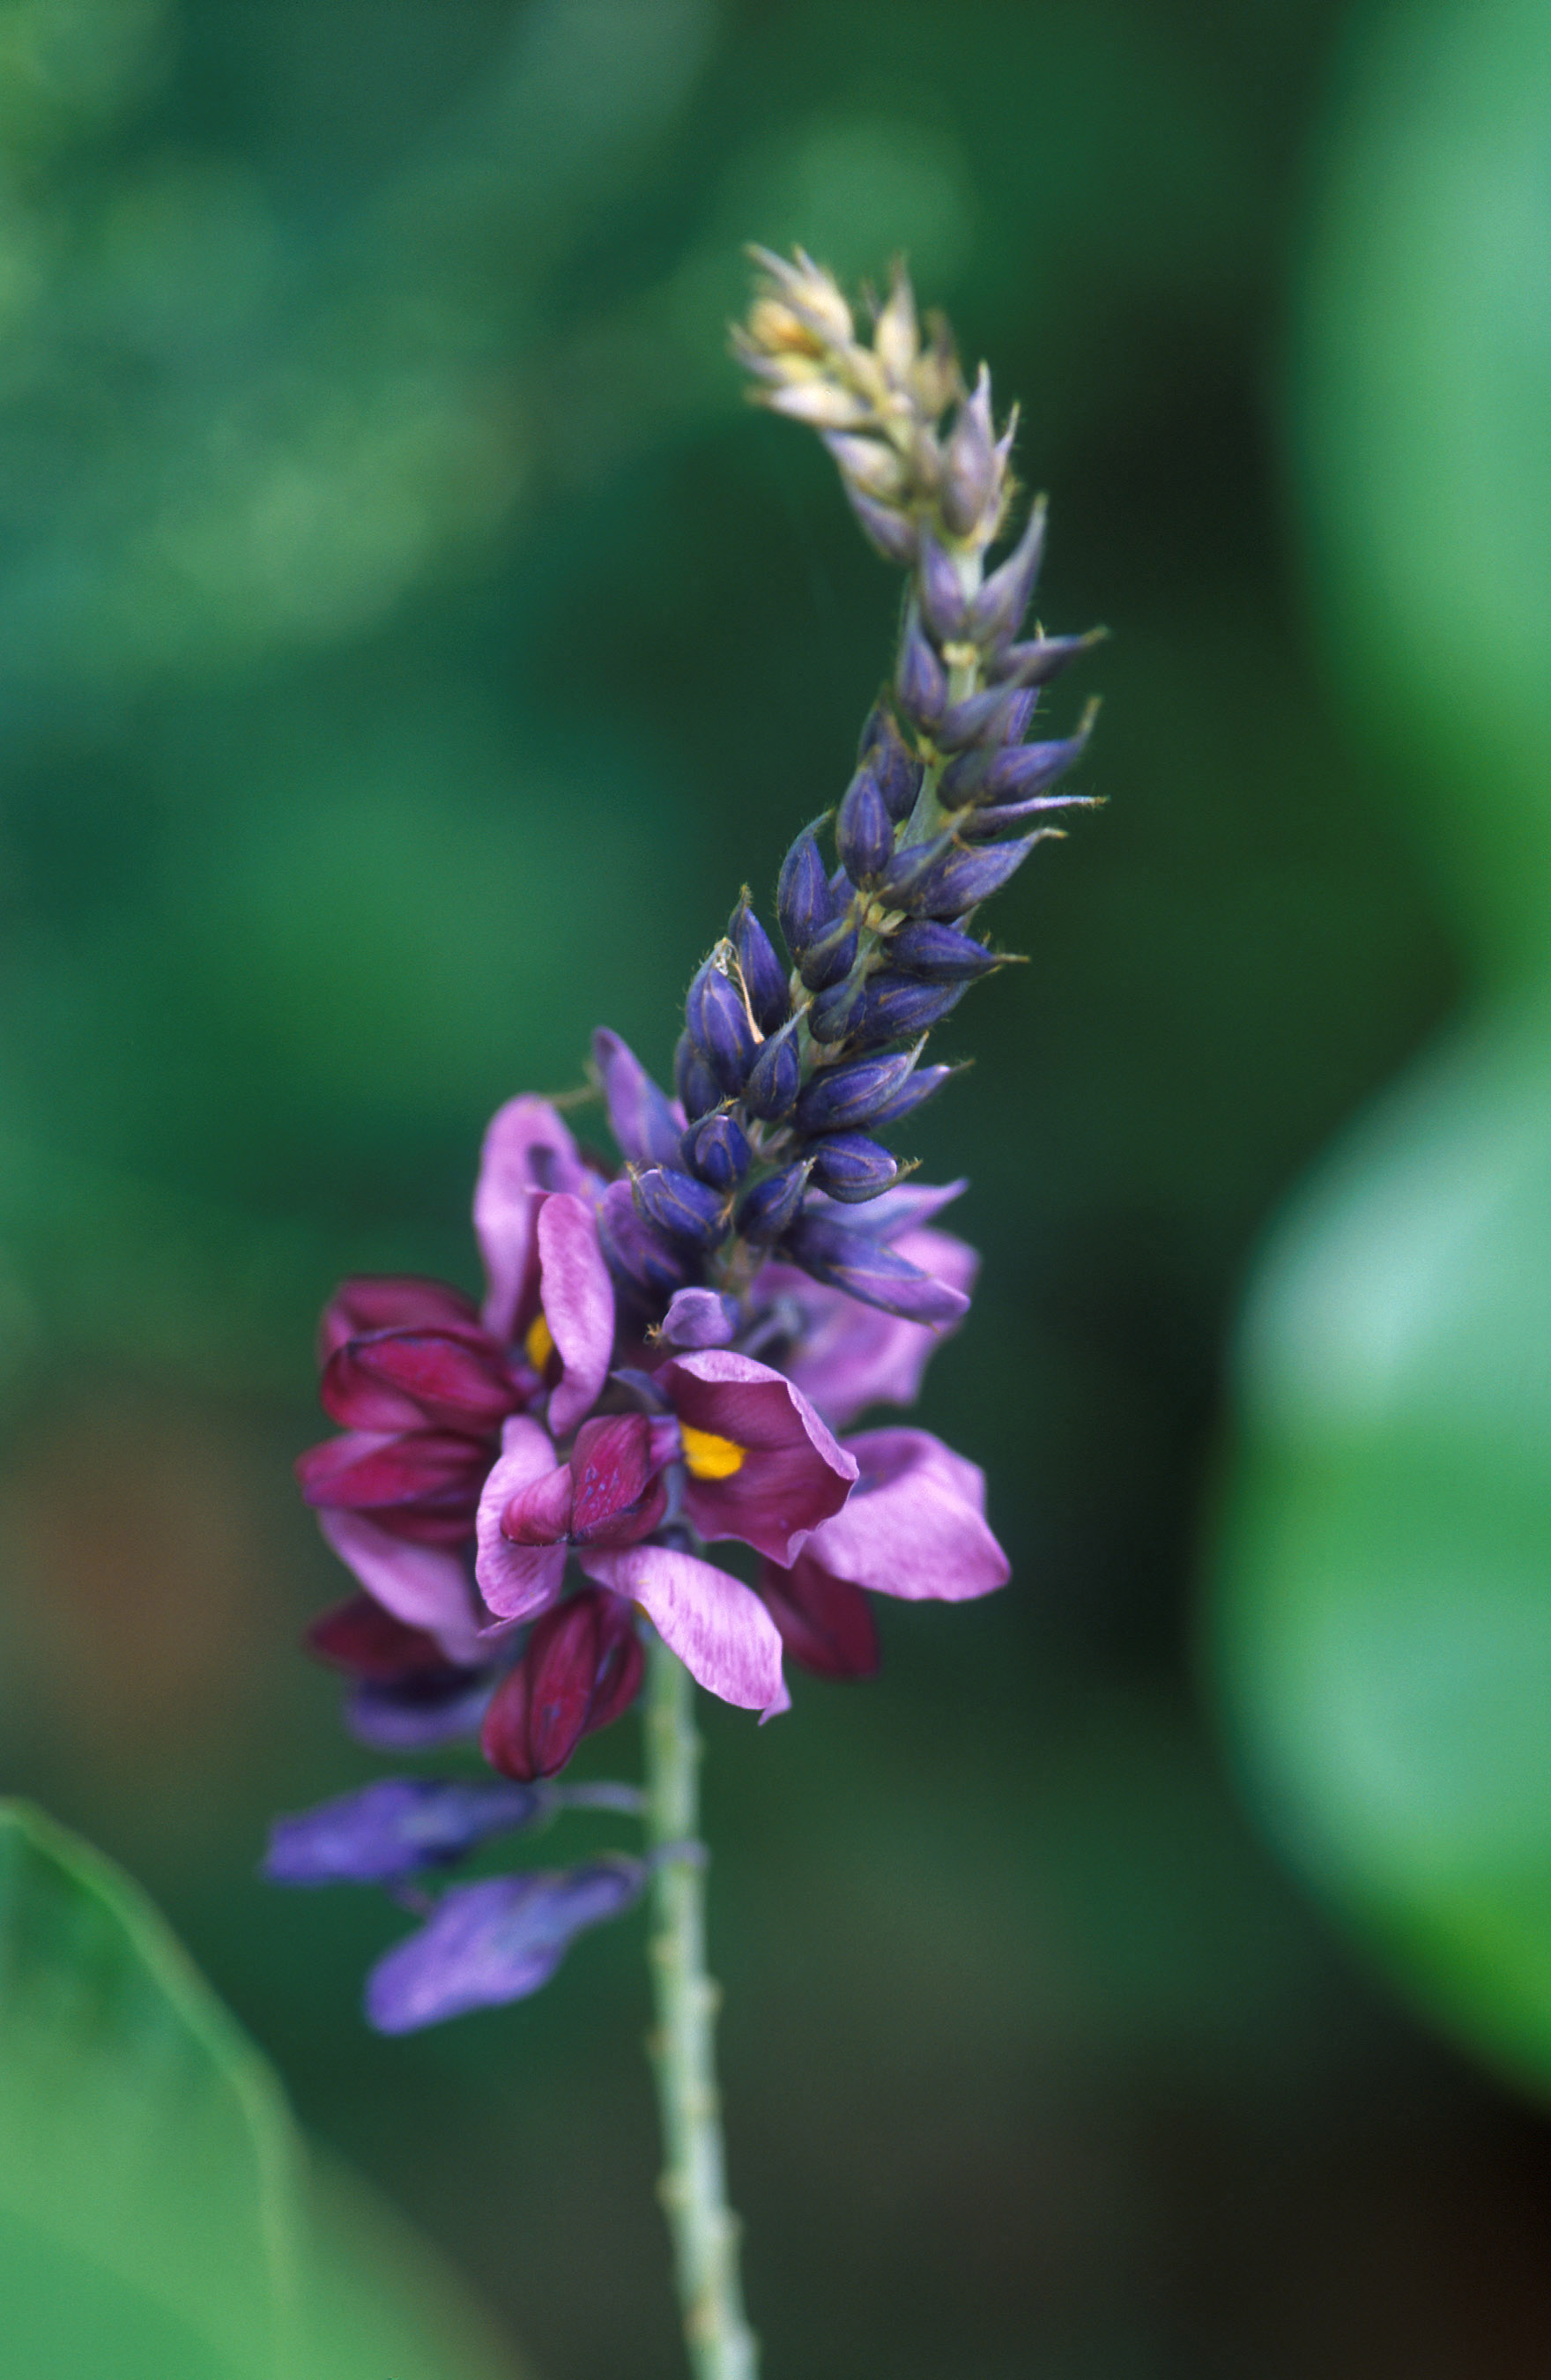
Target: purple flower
{"x":761,"y":1466}
{"x":849,"y":1355}
{"x":427,"y":1587}
{"x":528,"y":1151}
{"x":580,"y":1669}
{"x":495,"y":1941}
{"x":718,"y":1627}
{"x":392,"y":1828}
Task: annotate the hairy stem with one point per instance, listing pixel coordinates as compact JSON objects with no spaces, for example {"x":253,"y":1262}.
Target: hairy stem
{"x":693,"y":2188}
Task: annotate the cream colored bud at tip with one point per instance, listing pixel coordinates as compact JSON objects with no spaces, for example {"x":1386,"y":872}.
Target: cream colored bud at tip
{"x":896,"y":337}
{"x":820,"y":404}
{"x":774,"y":326}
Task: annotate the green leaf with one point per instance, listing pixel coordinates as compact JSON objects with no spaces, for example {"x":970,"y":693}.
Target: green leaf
{"x":158,"y":2220}
{"x":1384,"y":1622}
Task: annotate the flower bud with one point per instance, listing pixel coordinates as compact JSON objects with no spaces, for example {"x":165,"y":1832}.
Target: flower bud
{"x":700,"y":1317}
{"x":940,"y":953}
{"x":939,"y":591}
{"x":896,"y":336}
{"x":634,"y":1251}
{"x":961,"y":878}
{"x":675,"y":1203}
{"x":979,"y":719}
{"x":842,"y":1098}
{"x":920,"y":680}
{"x":1024,"y":769}
{"x":849,"y":1166}
{"x":393,"y":1829}
{"x":775,"y":1080}
{"x":923,"y":1084}
{"x":494,"y":1941}
{"x":864,"y":830}
{"x":979,"y":823}
{"x":582,"y":1668}
{"x":892,"y":534}
{"x":720,"y":1023}
{"x":870,"y":465}
{"x":970,"y":471}
{"x":830,"y":955}
{"x":894,"y":766}
{"x":693,"y":1079}
{"x":618,"y":1497}
{"x":894,"y":1004}
{"x":1042,"y":659}
{"x":715,"y":1150}
{"x":764,"y":978}
{"x":773,"y":1205}
{"x":910,"y":867}
{"x":997,"y":608}
{"x":804,"y":902}
{"x":870,"y":1269}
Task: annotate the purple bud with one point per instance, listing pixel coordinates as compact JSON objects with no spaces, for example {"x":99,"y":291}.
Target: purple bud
{"x":979,"y":719}
{"x":804,"y":903}
{"x":920,"y":680}
{"x":870,"y":1269}
{"x":716,"y":1151}
{"x":772,"y":1206}
{"x":849,"y":1166}
{"x":970,"y":466}
{"x":720,"y":1023}
{"x":1001,"y":815}
{"x":764,"y":977}
{"x":391,"y":1829}
{"x":893,"y":533}
{"x":910,"y":867}
{"x":495,"y":1941}
{"x":894,"y":766}
{"x":996,"y":609}
{"x":693,"y":1079}
{"x":864,"y":830}
{"x":830,"y":955}
{"x":701,"y":1317}
{"x":636,"y":1253}
{"x":685,"y":1209}
{"x":963,"y":878}
{"x":581,"y":1668}
{"x":1024,"y":769}
{"x":892,"y":1004}
{"x":775,"y":1080}
{"x":940,"y":953}
{"x":840,"y":1098}
{"x":830,"y":1016}
{"x":939,"y":591}
{"x":1042,"y":659}
{"x":920,"y":1087}
{"x":640,"y":1117}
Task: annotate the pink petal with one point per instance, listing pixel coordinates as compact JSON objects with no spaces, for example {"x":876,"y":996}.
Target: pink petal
{"x":578,"y":1303}
{"x":718,"y":1627}
{"x":517,"y":1580}
{"x":528,"y":1151}
{"x":852,"y":1356}
{"x":422,"y":1585}
{"x":915,"y":1526}
{"x":793,"y":1474}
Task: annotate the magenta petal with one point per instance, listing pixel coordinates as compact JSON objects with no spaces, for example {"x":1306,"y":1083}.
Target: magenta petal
{"x":405,"y":1379}
{"x":423,"y":1585}
{"x":528,"y":1151}
{"x":540,"y":1514}
{"x":392,"y":1302}
{"x":579,"y":1301}
{"x":718,"y":1627}
{"x":793,"y":1474}
{"x":915,"y":1526}
{"x":517,"y":1580}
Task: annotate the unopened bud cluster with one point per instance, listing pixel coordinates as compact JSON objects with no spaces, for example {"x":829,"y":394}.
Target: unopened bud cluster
{"x":788,"y":1075}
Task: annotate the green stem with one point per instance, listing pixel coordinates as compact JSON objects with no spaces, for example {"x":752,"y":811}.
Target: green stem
{"x":693,"y":2188}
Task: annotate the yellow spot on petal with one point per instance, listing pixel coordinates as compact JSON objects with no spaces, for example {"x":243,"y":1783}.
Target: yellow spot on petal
{"x":538,"y":1345}
{"x":709,"y":1457}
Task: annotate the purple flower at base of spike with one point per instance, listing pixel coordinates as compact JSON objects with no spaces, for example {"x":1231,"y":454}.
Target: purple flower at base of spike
{"x":496,"y":1941}
{"x":580,"y":1670}
{"x":393,"y":1829}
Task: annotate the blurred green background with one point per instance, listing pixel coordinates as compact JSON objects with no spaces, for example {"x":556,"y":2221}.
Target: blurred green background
{"x":409,"y":643}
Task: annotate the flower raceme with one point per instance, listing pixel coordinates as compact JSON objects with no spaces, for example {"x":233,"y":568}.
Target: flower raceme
{"x":669,"y":1352}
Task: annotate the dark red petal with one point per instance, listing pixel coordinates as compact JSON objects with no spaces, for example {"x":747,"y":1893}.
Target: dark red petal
{"x":826,"y":1623}
{"x":504,"y":1736}
{"x":363,"y":1472}
{"x":392,"y":1302}
{"x":629,"y":1525}
{"x":621,"y":1667}
{"x":540,"y":1514}
{"x":611,"y":1464}
{"x":402,"y":1379}
{"x":360,"y":1637}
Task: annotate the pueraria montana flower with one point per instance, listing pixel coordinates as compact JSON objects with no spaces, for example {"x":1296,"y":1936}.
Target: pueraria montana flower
{"x":635,"y":1461}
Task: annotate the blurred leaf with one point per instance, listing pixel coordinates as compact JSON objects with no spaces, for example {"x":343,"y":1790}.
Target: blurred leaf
{"x":152,"y":2206}
{"x":1425,"y":398}
{"x":1384,"y":1627}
